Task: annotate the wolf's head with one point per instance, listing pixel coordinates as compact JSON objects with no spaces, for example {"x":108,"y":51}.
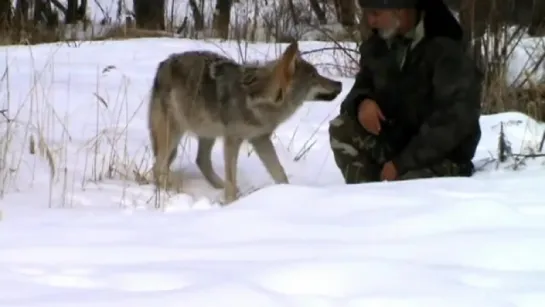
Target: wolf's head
{"x":300,"y":80}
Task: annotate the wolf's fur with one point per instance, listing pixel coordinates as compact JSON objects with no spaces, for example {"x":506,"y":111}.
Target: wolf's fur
{"x":212,"y":96}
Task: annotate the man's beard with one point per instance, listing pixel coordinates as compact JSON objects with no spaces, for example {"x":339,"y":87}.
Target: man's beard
{"x":390,"y":32}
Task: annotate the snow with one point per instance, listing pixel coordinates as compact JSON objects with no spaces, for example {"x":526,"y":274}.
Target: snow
{"x":91,"y":237}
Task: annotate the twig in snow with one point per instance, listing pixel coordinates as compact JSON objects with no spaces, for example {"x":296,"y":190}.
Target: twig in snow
{"x":3,"y":112}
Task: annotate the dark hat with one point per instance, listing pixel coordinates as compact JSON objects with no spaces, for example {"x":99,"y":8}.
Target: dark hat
{"x":388,"y":4}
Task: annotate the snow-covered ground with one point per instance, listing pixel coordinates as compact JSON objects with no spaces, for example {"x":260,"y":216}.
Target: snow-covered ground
{"x":90,"y":236}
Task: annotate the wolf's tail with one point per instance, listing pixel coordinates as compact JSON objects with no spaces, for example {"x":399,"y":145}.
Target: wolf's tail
{"x":164,"y":105}
{"x":161,"y":84}
{"x":159,"y":100}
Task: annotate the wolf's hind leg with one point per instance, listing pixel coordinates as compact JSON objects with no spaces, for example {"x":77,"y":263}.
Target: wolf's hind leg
{"x":264,"y":148}
{"x":230,"y":154}
{"x":204,"y":162}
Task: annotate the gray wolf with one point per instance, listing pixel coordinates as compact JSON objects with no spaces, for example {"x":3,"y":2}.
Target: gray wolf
{"x":212,"y":96}
{"x":414,"y":109}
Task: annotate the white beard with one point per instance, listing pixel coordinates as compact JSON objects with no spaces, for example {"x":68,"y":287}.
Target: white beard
{"x":390,"y":32}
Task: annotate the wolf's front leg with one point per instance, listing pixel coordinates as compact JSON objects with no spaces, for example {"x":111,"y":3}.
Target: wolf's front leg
{"x":265,"y":151}
{"x":230,"y":152}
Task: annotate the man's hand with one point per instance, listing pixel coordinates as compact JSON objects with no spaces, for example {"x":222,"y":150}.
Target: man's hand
{"x":389,"y":172}
{"x":370,"y":115}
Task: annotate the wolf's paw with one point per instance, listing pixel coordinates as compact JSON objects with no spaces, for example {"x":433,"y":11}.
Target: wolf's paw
{"x":175,"y":185}
{"x":171,"y":183}
{"x":225,"y":200}
{"x":222,"y":201}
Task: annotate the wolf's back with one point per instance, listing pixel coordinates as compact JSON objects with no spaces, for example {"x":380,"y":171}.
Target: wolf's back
{"x":197,"y":89}
{"x":174,"y":74}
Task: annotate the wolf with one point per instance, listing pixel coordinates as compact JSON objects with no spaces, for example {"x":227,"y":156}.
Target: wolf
{"x":212,"y":96}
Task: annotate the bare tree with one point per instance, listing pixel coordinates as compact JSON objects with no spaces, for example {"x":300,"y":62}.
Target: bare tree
{"x":537,"y":24}
{"x":197,"y":15}
{"x":293,"y":12}
{"x":74,"y":12}
{"x":320,"y":14}
{"x":45,"y":14}
{"x":5,"y":14}
{"x":222,"y":18}
{"x":345,"y":10}
{"x":150,"y":14}
{"x":20,"y":14}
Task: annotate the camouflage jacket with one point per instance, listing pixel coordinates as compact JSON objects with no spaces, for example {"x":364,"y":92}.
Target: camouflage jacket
{"x":430,"y":94}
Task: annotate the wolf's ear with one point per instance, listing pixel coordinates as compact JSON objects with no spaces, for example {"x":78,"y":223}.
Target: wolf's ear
{"x":285,"y":69}
{"x":289,"y":58}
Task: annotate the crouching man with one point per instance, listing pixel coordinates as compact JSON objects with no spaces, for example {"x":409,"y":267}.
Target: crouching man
{"x":414,"y":109}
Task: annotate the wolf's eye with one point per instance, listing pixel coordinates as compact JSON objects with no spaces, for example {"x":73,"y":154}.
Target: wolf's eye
{"x":248,"y":79}
{"x":222,"y":68}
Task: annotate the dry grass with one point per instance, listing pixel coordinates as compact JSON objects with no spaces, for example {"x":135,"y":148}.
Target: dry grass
{"x":33,"y":131}
{"x":105,"y":156}
{"x":524,"y":94}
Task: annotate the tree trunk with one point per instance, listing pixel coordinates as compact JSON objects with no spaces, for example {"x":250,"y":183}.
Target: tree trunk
{"x":345,"y":10}
{"x":364,"y":29}
{"x":20,"y":15}
{"x":222,"y":18}
{"x":5,"y":14}
{"x":293,"y":13}
{"x":150,"y":14}
{"x":75,"y":12}
{"x":537,"y":24}
{"x":71,"y":15}
{"x":44,"y":14}
{"x":197,"y":15}
{"x":320,"y":14}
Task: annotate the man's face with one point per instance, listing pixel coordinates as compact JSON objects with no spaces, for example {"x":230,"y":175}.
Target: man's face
{"x":386,"y":21}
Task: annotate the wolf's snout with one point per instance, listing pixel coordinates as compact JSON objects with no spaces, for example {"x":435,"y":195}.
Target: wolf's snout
{"x":334,"y":90}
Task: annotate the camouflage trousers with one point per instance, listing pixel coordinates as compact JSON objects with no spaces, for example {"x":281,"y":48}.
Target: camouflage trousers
{"x":361,"y":155}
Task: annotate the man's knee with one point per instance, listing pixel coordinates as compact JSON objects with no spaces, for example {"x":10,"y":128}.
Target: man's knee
{"x":354,"y":167}
{"x":349,"y":138}
{"x":418,"y":174}
{"x":346,"y":143}
{"x":341,"y":137}
{"x":448,"y":168}
{"x":355,"y":172}
{"x":341,"y":128}
{"x":445,"y":168}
